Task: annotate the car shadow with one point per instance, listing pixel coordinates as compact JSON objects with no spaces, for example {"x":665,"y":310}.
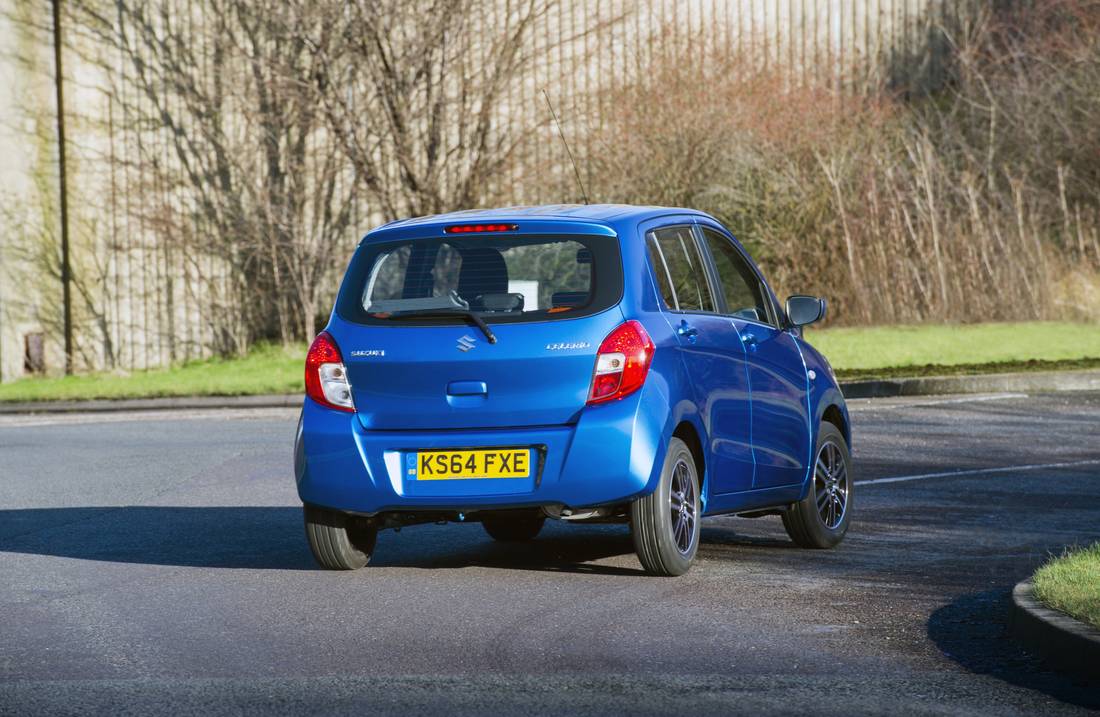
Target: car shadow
{"x":272,"y":538}
{"x":558,"y":548}
{"x":973,"y":631}
{"x":717,"y":536}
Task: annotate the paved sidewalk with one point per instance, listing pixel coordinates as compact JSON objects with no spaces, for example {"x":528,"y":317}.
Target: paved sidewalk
{"x":1025,"y":382}
{"x":146,"y":404}
{"x":1028,"y":382}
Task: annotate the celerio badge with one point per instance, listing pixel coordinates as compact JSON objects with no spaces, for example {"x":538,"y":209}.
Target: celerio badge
{"x":567,"y":345}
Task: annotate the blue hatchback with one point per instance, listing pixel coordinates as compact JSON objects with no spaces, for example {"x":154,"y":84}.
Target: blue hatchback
{"x":579,"y":363}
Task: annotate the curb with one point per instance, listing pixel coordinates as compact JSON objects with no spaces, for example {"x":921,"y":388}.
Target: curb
{"x":1036,"y":382}
{"x":154,"y":404}
{"x":1062,"y":641}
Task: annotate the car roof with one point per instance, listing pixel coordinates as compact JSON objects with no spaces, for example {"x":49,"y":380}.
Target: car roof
{"x":588,"y":213}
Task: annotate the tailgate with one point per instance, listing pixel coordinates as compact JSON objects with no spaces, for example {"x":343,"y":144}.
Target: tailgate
{"x":440,"y":377}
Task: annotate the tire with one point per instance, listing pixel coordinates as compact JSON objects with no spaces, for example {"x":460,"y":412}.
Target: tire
{"x":339,"y":541}
{"x":821,"y":519}
{"x":665,"y":523}
{"x":518,"y":528}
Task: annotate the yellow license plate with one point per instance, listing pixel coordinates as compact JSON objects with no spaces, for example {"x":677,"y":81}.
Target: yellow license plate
{"x":459,"y":465}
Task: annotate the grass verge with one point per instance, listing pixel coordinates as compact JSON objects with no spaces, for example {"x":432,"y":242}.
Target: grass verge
{"x":879,"y":348}
{"x":267,"y":369}
{"x":1071,"y":584}
{"x":855,"y":353}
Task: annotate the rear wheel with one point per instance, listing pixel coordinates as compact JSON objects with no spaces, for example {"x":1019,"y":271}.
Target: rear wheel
{"x":821,"y":519}
{"x":339,"y":541}
{"x":517,"y":528}
{"x":665,"y":523}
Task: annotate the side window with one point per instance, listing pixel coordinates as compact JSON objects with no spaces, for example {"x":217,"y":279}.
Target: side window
{"x":745,"y":296}
{"x":679,"y":269}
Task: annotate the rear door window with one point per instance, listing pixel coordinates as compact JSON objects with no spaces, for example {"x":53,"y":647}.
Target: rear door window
{"x":678,"y":267}
{"x":502,"y":278}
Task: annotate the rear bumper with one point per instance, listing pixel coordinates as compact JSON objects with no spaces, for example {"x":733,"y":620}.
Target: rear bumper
{"x":612,"y":454}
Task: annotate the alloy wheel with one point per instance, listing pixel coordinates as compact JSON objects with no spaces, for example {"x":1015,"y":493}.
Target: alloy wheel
{"x":684,"y":510}
{"x":831,"y":485}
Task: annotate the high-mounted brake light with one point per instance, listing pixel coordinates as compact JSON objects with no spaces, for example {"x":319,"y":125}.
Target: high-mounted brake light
{"x":475,"y":228}
{"x":622,"y":363}
{"x":326,"y":376}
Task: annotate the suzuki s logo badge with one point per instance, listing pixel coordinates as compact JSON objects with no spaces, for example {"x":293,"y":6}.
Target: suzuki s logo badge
{"x":466,"y":343}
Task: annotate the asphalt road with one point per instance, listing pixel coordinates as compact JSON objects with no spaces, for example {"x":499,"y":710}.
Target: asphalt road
{"x":156,"y":564}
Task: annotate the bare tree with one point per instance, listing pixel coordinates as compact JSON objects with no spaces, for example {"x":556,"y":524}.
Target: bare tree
{"x":252,"y":138}
{"x":268,"y":123}
{"x":420,"y":93}
{"x":221,"y":92}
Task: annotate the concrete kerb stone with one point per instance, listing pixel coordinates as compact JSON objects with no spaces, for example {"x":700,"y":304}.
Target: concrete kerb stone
{"x":1068,"y":644}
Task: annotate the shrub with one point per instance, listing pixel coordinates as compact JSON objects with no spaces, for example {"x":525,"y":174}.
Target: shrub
{"x":979,"y":202}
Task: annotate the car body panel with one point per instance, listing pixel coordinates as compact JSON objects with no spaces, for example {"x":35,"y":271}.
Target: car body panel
{"x":780,"y":423}
{"x":719,"y":380}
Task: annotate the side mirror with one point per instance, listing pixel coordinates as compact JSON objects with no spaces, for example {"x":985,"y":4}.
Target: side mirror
{"x":803,"y":310}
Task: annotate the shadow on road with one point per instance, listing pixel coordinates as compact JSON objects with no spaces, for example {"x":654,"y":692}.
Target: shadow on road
{"x":272,"y":538}
{"x":559,"y":548}
{"x":973,"y":632}
{"x":223,"y":537}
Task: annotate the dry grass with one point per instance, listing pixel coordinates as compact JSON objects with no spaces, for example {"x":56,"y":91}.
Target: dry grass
{"x":979,"y":203}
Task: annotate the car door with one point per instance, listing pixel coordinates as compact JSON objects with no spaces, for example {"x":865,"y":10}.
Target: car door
{"x":777,"y":375}
{"x":712,"y":354}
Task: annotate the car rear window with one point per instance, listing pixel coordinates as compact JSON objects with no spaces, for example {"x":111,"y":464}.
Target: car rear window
{"x":501,"y":278}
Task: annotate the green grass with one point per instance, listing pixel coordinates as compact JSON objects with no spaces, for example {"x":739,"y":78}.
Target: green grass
{"x":1071,"y":584}
{"x":891,"y":351}
{"x":883,"y":351}
{"x":266,"y":369}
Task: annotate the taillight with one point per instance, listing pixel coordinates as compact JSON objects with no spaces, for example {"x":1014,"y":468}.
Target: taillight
{"x":326,"y":376}
{"x":622,"y":363}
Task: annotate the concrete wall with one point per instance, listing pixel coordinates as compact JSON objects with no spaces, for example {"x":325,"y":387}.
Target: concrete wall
{"x":17,"y":164}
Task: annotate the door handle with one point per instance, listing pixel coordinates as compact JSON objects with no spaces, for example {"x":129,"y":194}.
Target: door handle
{"x":688,"y":331}
{"x":749,"y":340}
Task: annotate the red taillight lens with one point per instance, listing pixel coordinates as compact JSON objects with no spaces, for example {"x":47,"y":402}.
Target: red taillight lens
{"x":622,"y":363}
{"x":476,"y":228}
{"x":326,"y":376}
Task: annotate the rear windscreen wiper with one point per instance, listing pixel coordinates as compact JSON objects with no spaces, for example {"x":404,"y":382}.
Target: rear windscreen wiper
{"x":436,"y":313}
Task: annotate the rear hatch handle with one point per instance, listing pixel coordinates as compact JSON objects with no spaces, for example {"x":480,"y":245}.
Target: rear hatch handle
{"x":467,"y":388}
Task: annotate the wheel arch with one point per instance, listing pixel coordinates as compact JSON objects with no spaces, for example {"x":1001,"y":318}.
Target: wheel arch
{"x":834,"y":415}
{"x":829,"y":406}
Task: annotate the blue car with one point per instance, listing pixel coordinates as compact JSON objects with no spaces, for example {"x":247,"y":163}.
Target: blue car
{"x":579,"y":363}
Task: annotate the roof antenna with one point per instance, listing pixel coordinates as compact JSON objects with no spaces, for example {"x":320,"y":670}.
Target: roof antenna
{"x":576,"y":172}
